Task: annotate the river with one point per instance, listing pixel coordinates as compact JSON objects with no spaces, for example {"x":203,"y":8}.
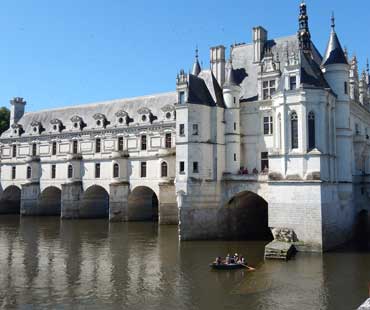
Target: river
{"x":46,"y":263}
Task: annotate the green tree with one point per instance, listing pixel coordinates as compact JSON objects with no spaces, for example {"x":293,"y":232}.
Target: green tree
{"x":4,"y":119}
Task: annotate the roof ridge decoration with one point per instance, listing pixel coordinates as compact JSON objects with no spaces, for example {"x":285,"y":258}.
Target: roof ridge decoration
{"x":334,"y":53}
{"x":304,"y":34}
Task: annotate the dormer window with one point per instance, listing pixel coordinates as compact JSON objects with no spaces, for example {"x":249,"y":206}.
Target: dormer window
{"x":56,"y":125}
{"x":146,"y":115}
{"x":169,"y":112}
{"x":293,"y":82}
{"x":77,"y":122}
{"x":181,"y":97}
{"x":268,"y":89}
{"x":123,"y":118}
{"x":100,"y":120}
{"x":17,"y":129}
{"x":36,"y":127}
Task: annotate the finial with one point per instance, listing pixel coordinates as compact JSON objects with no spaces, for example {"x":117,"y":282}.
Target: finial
{"x":367,"y":66}
{"x":196,"y":51}
{"x":332,"y":20}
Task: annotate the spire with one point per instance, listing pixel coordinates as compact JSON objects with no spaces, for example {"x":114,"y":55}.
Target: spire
{"x":230,"y":75}
{"x":304,"y":34}
{"x":334,"y":53}
{"x":196,"y":66}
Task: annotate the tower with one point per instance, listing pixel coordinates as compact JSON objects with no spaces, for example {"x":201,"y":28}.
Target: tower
{"x":231,"y":92}
{"x":336,"y":71}
{"x":196,"y":66}
{"x":304,"y":34}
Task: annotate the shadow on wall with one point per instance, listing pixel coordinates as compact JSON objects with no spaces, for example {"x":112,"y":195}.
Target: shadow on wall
{"x":94,"y":203}
{"x":10,"y":201}
{"x":50,"y":201}
{"x":245,"y":217}
{"x":362,"y":231}
{"x":142,"y":205}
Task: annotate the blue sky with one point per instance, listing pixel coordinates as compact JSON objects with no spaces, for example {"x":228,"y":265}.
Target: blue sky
{"x":58,"y":53}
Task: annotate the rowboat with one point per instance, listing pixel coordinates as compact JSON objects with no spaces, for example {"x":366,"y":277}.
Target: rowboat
{"x":229,"y":266}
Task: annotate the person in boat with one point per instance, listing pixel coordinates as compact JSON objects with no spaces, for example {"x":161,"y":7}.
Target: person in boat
{"x":236,"y":257}
{"x":227,"y":259}
{"x":218,"y":260}
{"x":232,"y":260}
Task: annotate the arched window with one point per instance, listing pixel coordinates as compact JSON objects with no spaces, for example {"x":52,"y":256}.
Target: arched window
{"x":115,"y":170}
{"x":70,"y":171}
{"x":29,"y":172}
{"x":164,"y":169}
{"x":294,"y":130}
{"x":311,"y":130}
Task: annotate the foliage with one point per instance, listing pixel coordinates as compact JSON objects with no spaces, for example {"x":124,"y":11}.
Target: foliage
{"x":4,"y":119}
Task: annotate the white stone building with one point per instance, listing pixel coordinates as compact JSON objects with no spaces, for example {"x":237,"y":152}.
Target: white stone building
{"x":275,"y":137}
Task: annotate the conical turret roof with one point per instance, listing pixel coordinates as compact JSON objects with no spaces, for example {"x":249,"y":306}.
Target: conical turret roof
{"x":334,"y":53}
{"x":230,"y":75}
{"x":196,"y":66}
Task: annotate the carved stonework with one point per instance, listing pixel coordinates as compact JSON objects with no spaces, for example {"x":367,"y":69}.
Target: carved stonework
{"x":121,"y":113}
{"x":168,"y":108}
{"x":76,"y":119}
{"x":99,"y":116}
{"x":284,"y":234}
{"x":143,"y":111}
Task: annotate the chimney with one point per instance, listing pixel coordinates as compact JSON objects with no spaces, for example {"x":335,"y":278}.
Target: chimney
{"x":16,"y":109}
{"x":259,"y":40}
{"x":218,"y":63}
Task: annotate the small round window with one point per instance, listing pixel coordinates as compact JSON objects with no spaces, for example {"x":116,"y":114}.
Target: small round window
{"x":120,"y":120}
{"x":168,"y":115}
{"x":34,"y":129}
{"x":55,"y":127}
{"x":98,"y":122}
{"x":75,"y":125}
{"x":15,"y":131}
{"x":143,"y":118}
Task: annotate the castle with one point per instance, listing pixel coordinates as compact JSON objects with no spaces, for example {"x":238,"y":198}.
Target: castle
{"x":275,"y":138}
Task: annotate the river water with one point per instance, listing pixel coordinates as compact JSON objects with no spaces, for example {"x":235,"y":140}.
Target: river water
{"x":46,"y":263}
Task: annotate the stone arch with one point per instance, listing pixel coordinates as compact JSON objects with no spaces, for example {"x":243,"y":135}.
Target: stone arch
{"x":245,"y":217}
{"x":10,"y":202}
{"x":50,"y":201}
{"x":94,"y":203}
{"x":142,"y":204}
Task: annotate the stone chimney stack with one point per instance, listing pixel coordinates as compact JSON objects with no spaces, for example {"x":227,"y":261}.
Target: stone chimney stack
{"x":218,"y":63}
{"x":16,"y":109}
{"x":259,"y":40}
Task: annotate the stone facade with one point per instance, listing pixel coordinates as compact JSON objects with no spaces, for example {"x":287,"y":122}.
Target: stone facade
{"x":276,"y":137}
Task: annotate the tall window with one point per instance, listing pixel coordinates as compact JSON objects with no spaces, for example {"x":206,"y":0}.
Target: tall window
{"x":181,"y":97}
{"x":97,"y":145}
{"x":195,"y":129}
{"x":182,"y":130}
{"x":279,"y":130}
{"x":168,"y":140}
{"x":14,"y":172}
{"x":292,"y":82}
{"x":14,"y":151}
{"x":268,"y":89}
{"x":143,"y":169}
{"x":195,"y":167}
{"x":267,"y":125}
{"x":164,"y":169}
{"x":53,"y":171}
{"x":34,"y":149}
{"x":75,"y":147}
{"x":115,"y":170}
{"x":294,"y":130}
{"x":97,"y":170}
{"x":70,"y":172}
{"x":29,"y":172}
{"x":54,"y":148}
{"x":143,"y":142}
{"x":120,"y":143}
{"x":182,"y":167}
{"x":345,"y":88}
{"x":264,"y":161}
{"x":311,"y":130}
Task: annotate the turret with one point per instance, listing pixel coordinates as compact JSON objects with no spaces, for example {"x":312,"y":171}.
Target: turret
{"x":335,"y":65}
{"x":231,"y":93}
{"x":336,"y":71}
{"x":16,"y":109}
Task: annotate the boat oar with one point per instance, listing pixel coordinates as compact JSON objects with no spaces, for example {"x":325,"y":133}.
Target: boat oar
{"x":249,"y":268}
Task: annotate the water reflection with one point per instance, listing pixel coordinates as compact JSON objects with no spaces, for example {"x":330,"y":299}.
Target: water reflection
{"x":92,"y":264}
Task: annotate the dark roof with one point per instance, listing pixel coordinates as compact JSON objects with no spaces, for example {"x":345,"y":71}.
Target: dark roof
{"x":334,"y":53}
{"x":311,"y":74}
{"x":196,"y":67}
{"x":198,"y":92}
{"x":230,"y":78}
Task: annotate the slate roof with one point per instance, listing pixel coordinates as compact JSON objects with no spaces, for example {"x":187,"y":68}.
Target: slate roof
{"x":87,"y":111}
{"x":334,"y":53}
{"x":242,"y":57}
